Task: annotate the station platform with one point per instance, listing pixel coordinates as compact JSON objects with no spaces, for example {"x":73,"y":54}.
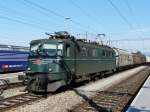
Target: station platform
{"x":141,"y":103}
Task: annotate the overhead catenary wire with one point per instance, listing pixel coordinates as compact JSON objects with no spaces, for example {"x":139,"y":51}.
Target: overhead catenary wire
{"x":128,"y":42}
{"x":134,"y":39}
{"x":56,"y":14}
{"x":133,"y":16}
{"x":19,"y":21}
{"x":15,"y":20}
{"x":131,"y":11}
{"x":123,"y":17}
{"x":128,"y":5}
{"x":120,"y":14}
{"x":89,"y":15}
{"x":24,"y":17}
{"x":79,"y":26}
{"x":41,"y":12}
{"x":43,"y":8}
{"x":50,"y":11}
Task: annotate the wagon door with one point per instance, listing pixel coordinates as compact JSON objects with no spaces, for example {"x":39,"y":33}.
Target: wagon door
{"x":69,"y":60}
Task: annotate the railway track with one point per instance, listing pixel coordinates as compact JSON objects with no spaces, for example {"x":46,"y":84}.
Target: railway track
{"x":116,"y":99}
{"x":6,"y":86}
{"x":13,"y":85}
{"x":103,"y":101}
{"x":18,"y":100}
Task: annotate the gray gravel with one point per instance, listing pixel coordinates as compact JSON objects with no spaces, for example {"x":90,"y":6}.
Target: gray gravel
{"x":11,"y":77}
{"x":56,"y":103}
{"x":12,"y":92}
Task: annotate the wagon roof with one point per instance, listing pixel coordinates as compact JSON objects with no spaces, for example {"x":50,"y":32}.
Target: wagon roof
{"x":122,"y":51}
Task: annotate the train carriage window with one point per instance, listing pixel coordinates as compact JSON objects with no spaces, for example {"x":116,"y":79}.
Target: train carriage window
{"x":89,"y":52}
{"x":2,"y":48}
{"x":110,"y":53}
{"x":113,"y":54}
{"x":103,"y":53}
{"x":5,"y":47}
{"x":67,"y":50}
{"x":107,"y":53}
{"x":84,"y":51}
{"x":94,"y":53}
{"x":13,"y":48}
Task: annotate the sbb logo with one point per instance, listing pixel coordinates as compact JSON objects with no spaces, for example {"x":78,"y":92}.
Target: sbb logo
{"x":38,"y":62}
{"x":5,"y":66}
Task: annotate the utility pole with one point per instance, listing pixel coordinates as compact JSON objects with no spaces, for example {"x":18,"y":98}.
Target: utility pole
{"x":86,"y":35}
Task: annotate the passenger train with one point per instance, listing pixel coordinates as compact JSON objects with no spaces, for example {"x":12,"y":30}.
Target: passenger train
{"x":62,"y":59}
{"x":13,"y":58}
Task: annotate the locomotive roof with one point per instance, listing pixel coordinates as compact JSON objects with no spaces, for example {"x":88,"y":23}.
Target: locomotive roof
{"x":121,"y":51}
{"x":45,"y":40}
{"x":94,"y":44}
{"x":63,"y":36}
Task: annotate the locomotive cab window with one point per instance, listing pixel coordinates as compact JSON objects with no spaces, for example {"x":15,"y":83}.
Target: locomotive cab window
{"x":46,"y":49}
{"x":68,"y":50}
{"x":60,"y":49}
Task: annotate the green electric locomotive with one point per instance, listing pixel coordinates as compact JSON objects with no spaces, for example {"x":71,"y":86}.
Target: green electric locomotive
{"x":62,"y":59}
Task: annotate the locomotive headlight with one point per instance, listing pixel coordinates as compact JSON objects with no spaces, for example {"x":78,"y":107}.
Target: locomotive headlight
{"x":28,"y":68}
{"x":50,"y":69}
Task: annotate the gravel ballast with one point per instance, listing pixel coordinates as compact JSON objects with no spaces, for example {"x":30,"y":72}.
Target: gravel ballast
{"x":56,"y":103}
{"x":12,"y":92}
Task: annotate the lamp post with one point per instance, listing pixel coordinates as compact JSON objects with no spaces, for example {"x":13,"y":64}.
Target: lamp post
{"x":67,"y":19}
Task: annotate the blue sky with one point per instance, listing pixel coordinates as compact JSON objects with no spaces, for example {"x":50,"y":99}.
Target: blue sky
{"x":92,"y":16}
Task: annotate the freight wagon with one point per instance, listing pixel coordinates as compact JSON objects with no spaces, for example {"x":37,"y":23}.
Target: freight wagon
{"x":138,"y":58}
{"x":124,"y":59}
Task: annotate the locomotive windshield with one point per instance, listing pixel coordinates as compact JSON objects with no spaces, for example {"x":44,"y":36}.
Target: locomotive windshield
{"x":46,"y":49}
